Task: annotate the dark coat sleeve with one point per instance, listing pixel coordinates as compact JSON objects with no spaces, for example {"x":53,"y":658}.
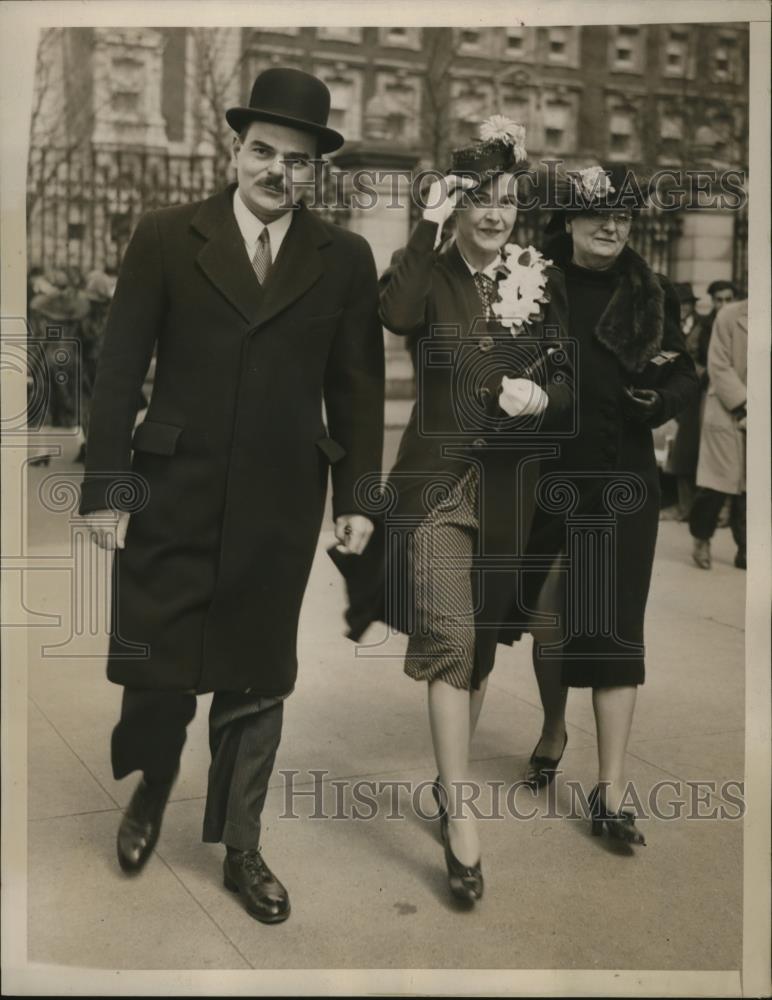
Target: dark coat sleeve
{"x":680,"y":383}
{"x":133,"y":325}
{"x":560,"y":378}
{"x":354,"y":386}
{"x":405,"y":287}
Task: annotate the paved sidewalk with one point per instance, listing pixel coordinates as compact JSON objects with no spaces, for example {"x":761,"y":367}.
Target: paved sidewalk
{"x":373,"y":894}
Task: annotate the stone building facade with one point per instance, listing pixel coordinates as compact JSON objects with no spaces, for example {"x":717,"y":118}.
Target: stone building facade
{"x":126,"y":118}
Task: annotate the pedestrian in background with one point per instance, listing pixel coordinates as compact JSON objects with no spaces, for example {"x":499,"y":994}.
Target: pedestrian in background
{"x":99,"y":289}
{"x":682,"y":461}
{"x":56,"y":327}
{"x":721,"y":468}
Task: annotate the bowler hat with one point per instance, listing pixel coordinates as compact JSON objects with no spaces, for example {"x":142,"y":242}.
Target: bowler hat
{"x":289,"y":97}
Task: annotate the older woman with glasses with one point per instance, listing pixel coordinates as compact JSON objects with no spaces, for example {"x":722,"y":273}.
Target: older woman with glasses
{"x":598,"y":503}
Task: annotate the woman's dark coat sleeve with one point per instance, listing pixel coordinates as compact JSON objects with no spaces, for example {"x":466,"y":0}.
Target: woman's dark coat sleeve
{"x":405,"y":287}
{"x":680,"y":383}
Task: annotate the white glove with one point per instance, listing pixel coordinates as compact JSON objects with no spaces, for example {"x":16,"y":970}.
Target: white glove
{"x":522,"y":398}
{"x":442,"y":198}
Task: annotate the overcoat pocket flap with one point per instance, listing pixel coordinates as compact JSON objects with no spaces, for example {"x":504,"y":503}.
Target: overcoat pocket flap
{"x":160,"y":439}
{"x":329,"y":447}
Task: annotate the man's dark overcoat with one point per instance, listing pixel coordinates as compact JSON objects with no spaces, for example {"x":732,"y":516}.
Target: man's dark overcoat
{"x":233,"y":454}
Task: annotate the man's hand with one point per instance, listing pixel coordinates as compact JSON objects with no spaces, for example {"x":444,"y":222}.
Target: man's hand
{"x":443,"y":196}
{"x":641,"y":404}
{"x":108,"y":527}
{"x":520,"y":397}
{"x":353,"y":533}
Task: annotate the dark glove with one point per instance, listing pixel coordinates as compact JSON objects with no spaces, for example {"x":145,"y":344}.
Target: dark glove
{"x":641,"y":405}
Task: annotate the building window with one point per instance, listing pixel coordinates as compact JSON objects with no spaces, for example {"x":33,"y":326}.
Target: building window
{"x":626,"y":55}
{"x":563,"y":46}
{"x":557,"y":125}
{"x":671,"y":135}
{"x":405,"y":38}
{"x":622,"y":135}
{"x":557,"y":45}
{"x":512,"y":43}
{"x":725,"y":60}
{"x":345,"y":88}
{"x":469,"y":41}
{"x":676,"y":52}
{"x":515,"y":41}
{"x":75,"y":230}
{"x":340,"y":33}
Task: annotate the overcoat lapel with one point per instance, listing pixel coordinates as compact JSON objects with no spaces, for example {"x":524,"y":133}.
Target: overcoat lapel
{"x":223,"y":258}
{"x":297,"y":267}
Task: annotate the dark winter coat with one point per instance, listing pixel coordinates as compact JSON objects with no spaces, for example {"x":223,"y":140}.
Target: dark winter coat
{"x":233,"y":456}
{"x":430,"y":298}
{"x":605,"y":483}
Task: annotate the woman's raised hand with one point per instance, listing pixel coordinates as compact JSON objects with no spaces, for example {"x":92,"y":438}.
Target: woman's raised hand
{"x":443,"y":197}
{"x":520,"y":397}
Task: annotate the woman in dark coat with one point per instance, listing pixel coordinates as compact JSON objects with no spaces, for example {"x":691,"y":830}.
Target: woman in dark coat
{"x":462,"y":486}
{"x":599,"y":501}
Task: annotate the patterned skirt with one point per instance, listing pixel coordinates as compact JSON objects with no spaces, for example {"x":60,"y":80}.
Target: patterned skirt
{"x":441,"y":646}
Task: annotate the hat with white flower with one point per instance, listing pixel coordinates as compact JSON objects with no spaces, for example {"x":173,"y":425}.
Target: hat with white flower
{"x":499,"y":149}
{"x":597,"y":188}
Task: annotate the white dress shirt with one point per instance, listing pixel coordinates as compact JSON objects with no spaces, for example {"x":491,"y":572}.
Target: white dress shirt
{"x":489,"y":270}
{"x":251,"y":227}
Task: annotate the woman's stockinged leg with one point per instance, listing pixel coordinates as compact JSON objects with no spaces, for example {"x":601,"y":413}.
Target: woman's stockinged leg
{"x":614,"y":707}
{"x":476,"y":698}
{"x":449,"y":717}
{"x":548,"y":672}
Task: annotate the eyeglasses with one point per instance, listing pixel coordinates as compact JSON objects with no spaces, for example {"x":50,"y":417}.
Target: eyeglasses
{"x":620,"y":218}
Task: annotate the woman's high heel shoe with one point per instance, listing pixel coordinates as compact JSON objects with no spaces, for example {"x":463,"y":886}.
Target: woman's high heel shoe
{"x":620,"y":825}
{"x":465,"y":881}
{"x":541,"y":770}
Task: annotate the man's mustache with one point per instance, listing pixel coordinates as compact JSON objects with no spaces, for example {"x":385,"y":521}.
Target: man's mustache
{"x":277,"y":188}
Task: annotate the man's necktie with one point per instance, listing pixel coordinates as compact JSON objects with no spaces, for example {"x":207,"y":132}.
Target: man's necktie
{"x":486,"y":289}
{"x":261,"y":262}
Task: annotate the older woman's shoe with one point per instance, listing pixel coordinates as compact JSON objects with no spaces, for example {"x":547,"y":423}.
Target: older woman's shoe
{"x":618,"y":825}
{"x":701,"y":553}
{"x":265,"y":898}
{"x":141,"y":824}
{"x":541,"y":770}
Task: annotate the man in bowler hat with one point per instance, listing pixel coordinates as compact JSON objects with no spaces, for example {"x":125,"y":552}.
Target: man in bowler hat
{"x":260,"y":313}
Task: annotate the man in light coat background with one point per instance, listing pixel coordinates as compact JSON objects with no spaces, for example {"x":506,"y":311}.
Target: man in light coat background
{"x":259,"y":313}
{"x":721,"y":466}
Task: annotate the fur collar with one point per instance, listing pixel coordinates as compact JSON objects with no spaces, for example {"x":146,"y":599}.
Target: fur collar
{"x":632,"y":324}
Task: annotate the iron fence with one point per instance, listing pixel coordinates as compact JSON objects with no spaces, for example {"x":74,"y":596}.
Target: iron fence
{"x":82,"y":208}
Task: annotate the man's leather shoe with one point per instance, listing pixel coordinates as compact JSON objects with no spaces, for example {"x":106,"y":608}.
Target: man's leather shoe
{"x":141,"y":824}
{"x":265,"y":897}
